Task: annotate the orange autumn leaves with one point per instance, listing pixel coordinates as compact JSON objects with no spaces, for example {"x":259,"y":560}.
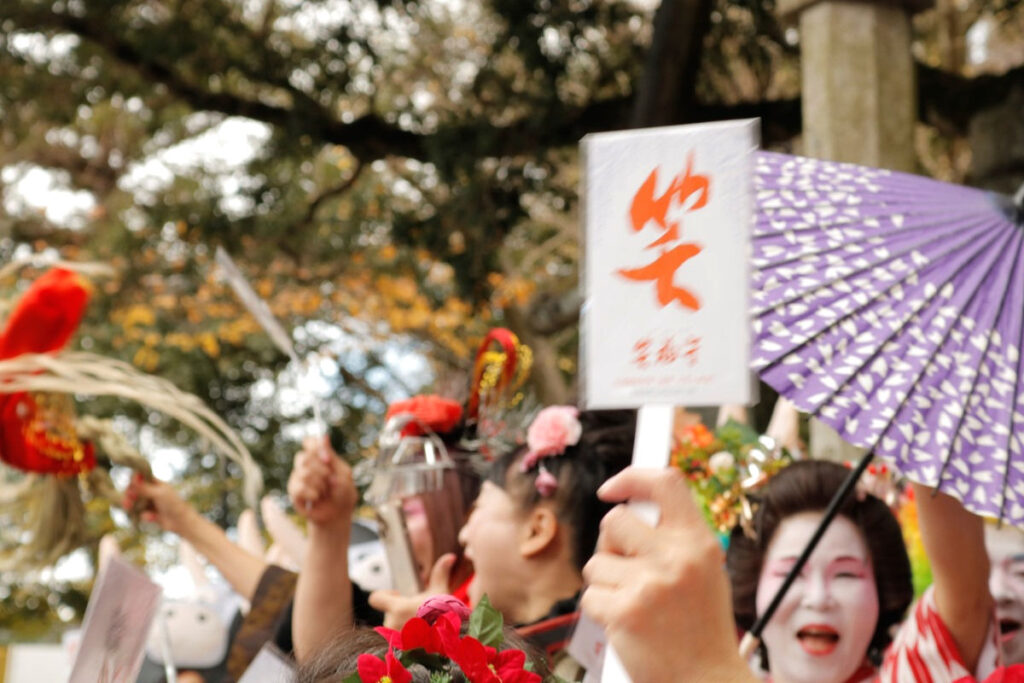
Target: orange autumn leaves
{"x":159,"y":324}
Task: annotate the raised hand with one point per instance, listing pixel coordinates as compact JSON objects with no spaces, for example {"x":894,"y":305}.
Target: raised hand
{"x":321,"y":486}
{"x":661,"y":592}
{"x":398,"y":608}
{"x":159,"y":502}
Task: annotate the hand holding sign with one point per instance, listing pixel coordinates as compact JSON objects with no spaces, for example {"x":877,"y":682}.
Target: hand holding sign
{"x":661,"y":592}
{"x":665,"y":321}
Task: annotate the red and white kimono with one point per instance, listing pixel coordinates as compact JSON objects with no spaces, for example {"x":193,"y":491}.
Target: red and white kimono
{"x":924,"y":652}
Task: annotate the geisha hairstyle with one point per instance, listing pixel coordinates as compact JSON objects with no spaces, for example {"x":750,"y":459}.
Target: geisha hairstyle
{"x":604,"y":448}
{"x":808,"y":486}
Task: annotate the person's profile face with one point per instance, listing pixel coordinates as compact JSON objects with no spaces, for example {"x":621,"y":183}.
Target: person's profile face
{"x":823,"y":627}
{"x":417,"y":525}
{"x":491,"y":540}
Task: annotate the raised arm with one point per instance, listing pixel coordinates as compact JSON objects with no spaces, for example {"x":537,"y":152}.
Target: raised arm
{"x":954,"y":540}
{"x":239,"y":568}
{"x":321,"y":487}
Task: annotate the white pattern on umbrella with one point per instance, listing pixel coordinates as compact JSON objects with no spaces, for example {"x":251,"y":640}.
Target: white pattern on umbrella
{"x":891,"y":306}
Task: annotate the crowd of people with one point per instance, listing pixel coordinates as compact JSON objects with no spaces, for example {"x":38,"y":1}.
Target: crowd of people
{"x":547,"y":536}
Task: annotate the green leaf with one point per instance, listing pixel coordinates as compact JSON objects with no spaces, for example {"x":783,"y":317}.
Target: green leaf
{"x":486,"y":624}
{"x":440,"y":677}
{"x":735,"y":434}
{"x":353,"y":678}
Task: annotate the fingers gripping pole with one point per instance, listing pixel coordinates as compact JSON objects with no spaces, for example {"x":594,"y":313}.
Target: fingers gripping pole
{"x":650,"y":449}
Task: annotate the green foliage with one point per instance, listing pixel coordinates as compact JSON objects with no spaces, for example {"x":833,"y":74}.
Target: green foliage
{"x":486,"y":624}
{"x":37,"y":612}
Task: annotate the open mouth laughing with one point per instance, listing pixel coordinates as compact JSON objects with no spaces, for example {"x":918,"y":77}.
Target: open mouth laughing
{"x":1008,"y":629}
{"x":818,"y":639}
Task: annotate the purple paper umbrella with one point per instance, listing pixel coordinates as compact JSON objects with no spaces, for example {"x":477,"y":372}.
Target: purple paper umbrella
{"x":891,"y":306}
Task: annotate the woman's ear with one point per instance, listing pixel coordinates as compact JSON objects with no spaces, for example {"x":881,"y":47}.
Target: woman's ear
{"x":539,"y":531}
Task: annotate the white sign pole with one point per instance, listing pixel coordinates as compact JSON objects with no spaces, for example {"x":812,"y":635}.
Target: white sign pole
{"x":651,"y":449}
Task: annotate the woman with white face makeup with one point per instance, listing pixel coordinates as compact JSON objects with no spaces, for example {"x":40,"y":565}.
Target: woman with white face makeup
{"x":833,"y":625}
{"x":966,"y":624}
{"x":660,"y":595}
{"x":1005,"y":547}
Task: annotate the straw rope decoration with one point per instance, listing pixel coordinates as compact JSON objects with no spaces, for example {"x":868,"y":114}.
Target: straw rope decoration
{"x":46,"y":509}
{"x":81,"y":372}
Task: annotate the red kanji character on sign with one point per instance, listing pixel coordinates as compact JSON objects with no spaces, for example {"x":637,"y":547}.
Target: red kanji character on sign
{"x":641,"y":352}
{"x":692,"y":349}
{"x":663,"y":270}
{"x":667,"y":353}
{"x":647,"y":207}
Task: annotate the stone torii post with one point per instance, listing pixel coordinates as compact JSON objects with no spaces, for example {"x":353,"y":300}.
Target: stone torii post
{"x":859,"y":102}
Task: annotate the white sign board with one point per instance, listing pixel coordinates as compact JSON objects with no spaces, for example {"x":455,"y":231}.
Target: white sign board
{"x":667,"y":215}
{"x":121,"y":609}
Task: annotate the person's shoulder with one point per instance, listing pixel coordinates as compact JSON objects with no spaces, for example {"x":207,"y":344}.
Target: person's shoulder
{"x":924,"y":648}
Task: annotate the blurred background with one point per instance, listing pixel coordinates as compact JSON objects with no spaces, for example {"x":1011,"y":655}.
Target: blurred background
{"x":394,"y":177}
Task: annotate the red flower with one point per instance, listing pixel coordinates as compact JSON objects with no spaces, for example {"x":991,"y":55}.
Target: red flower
{"x":509,"y":665}
{"x":415,"y":634}
{"x":448,"y":626}
{"x":439,"y":414}
{"x":373,"y":669}
{"x":433,"y":607}
{"x":483,"y":664}
{"x":480,"y":663}
{"x":393,"y":637}
{"x":698,"y":435}
{"x":472,"y":657}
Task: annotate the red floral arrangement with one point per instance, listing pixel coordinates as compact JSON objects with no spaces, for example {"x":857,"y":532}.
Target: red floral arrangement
{"x":433,"y":639}
{"x":438,"y":414}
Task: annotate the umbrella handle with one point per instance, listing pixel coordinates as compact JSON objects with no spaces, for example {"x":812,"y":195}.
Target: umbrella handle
{"x":833,"y":509}
{"x":748,"y":645}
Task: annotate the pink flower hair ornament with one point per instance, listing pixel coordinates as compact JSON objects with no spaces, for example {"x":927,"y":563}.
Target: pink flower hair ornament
{"x":552,"y":431}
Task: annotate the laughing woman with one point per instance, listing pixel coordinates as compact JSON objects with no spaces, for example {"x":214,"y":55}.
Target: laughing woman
{"x":834,"y":623}
{"x":664,"y":602}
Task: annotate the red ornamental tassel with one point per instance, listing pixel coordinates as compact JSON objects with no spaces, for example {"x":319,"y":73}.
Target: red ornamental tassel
{"x":46,"y":315}
{"x":41,"y":439}
{"x":37,"y":430}
{"x":506,"y":340}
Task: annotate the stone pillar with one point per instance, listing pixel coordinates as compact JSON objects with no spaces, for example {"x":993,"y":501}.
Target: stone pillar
{"x":859,"y":102}
{"x":858,"y":88}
